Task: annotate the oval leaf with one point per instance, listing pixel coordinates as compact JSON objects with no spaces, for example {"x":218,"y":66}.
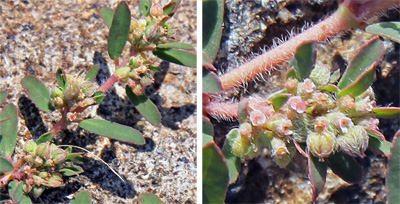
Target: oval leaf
{"x":108,"y":15}
{"x":213,"y":14}
{"x":379,"y":145}
{"x":113,"y":130}
{"x":3,"y":96}
{"x":145,"y":107}
{"x":176,"y":56}
{"x":329,"y":88}
{"x":345,"y":167}
{"x":304,"y":60}
{"x":371,"y":52}
{"x":149,"y":198}
{"x":360,"y":84}
{"x":92,"y":73}
{"x":211,"y":82}
{"x":72,"y":170}
{"x":278,"y":100}
{"x":317,"y":175}
{"x":16,"y":191}
{"x":393,"y":177}
{"x":144,"y":7}
{"x":82,"y":197}
{"x":61,"y":78}
{"x":38,"y":92}
{"x":25,"y":200}
{"x":390,"y":30}
{"x":387,"y":112}
{"x":46,"y":137}
{"x":171,"y":7}
{"x":232,"y":160}
{"x":183,"y":46}
{"x":5,"y":165}
{"x":215,"y":174}
{"x":9,"y":130}
{"x":208,"y":131}
{"x":119,"y":30}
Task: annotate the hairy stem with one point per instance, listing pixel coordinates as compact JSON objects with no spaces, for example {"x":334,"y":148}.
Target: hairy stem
{"x":222,"y":110}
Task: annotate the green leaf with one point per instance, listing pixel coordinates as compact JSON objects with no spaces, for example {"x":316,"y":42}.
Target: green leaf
{"x":215,"y":174}
{"x":154,"y":68}
{"x":278,"y":100}
{"x":171,"y":7}
{"x":207,"y":63}
{"x":183,"y":46}
{"x":98,"y":96}
{"x":213,"y":15}
{"x":145,"y":107}
{"x":390,"y":30}
{"x":108,"y":15}
{"x":371,"y":52}
{"x":82,"y":197}
{"x":317,"y":175}
{"x":208,"y":131}
{"x":4,"y":117}
{"x":72,"y":170}
{"x":291,"y":74}
{"x":46,"y":137}
{"x":113,"y":130}
{"x":16,"y":191}
{"x":3,"y":96}
{"x":25,"y":200}
{"x":144,"y":7}
{"x":211,"y":82}
{"x":329,"y":88}
{"x":176,"y":56}
{"x":61,"y":78}
{"x":379,"y":145}
{"x":119,"y":30}
{"x":76,"y":158}
{"x":393,"y":177}
{"x":148,"y":198}
{"x":346,"y":167}
{"x":387,"y":112}
{"x":232,"y":160}
{"x":92,"y":73}
{"x":9,"y":130}
{"x":304,"y":60}
{"x":5,"y":165}
{"x":360,"y":84}
{"x":38,"y":92}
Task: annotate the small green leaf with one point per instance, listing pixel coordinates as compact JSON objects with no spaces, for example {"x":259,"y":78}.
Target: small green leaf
{"x":5,"y":165}
{"x":9,"y":130}
{"x":360,"y":84}
{"x":215,"y":174}
{"x":46,"y":137}
{"x":61,"y":78}
{"x":329,"y":88}
{"x":334,"y":77}
{"x":379,"y":145}
{"x":390,"y":30}
{"x":304,"y":60}
{"x":387,"y":112}
{"x":119,"y":30}
{"x":98,"y":96}
{"x":183,"y":46}
{"x":82,"y":197}
{"x":113,"y":130}
{"x":149,"y":198}
{"x":317,"y":175}
{"x":16,"y":191}
{"x":371,"y":52}
{"x":208,"y":131}
{"x":25,"y":200}
{"x":72,"y":170}
{"x":291,"y":74}
{"x":144,"y":7}
{"x":346,"y":167}
{"x":108,"y":15}
{"x":171,"y":7}
{"x":92,"y":73}
{"x":38,"y":92}
{"x":207,"y":63}
{"x":176,"y":56}
{"x":145,"y":107}
{"x":393,"y":177}
{"x":278,"y":100}
{"x":3,"y":96}
{"x":76,"y":158}
{"x":213,"y":15}
{"x":211,"y":82}
{"x":232,"y":160}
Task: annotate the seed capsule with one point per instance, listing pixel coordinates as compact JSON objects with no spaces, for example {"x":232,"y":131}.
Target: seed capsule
{"x":355,"y":142}
{"x":321,"y":144}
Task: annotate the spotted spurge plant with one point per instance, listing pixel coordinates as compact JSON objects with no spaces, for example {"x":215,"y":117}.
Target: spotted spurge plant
{"x":43,"y":163}
{"x":328,"y":117}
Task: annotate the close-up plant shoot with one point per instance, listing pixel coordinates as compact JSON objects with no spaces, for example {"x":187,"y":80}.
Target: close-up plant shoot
{"x":93,"y":105}
{"x":301,"y":101}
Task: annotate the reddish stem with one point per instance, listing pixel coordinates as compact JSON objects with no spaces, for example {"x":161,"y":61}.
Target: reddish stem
{"x":222,"y":110}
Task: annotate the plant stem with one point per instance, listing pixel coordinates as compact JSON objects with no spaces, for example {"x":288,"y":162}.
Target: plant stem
{"x":222,"y":110}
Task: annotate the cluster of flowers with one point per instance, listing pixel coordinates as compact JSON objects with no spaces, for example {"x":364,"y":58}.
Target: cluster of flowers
{"x":152,"y":29}
{"x":306,"y":112}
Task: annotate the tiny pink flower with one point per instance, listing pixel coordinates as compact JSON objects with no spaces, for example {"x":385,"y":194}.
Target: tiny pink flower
{"x":285,"y":127}
{"x":321,"y":124}
{"x":344,"y":123}
{"x":308,"y":86}
{"x":257,"y":118}
{"x":297,"y":104}
{"x":245,"y":130}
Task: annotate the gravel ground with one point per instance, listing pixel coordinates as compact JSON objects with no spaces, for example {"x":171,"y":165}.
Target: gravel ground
{"x":250,"y":27}
{"x":38,"y":37}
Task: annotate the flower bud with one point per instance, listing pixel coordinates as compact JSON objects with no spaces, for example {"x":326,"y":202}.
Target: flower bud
{"x":307,"y":87}
{"x":55,"y":180}
{"x":138,"y":89}
{"x":240,"y":147}
{"x":58,"y":155}
{"x":38,"y":161}
{"x":30,"y":147}
{"x":134,"y":25}
{"x":321,"y":124}
{"x":281,"y":152}
{"x":156,"y":10}
{"x":280,"y":125}
{"x":246,"y":130}
{"x":321,"y":144}
{"x":296,"y":104}
{"x":291,"y":85}
{"x":43,"y":150}
{"x":347,"y":104}
{"x":122,"y":73}
{"x":72,"y":91}
{"x":58,"y":102}
{"x":320,"y":75}
{"x":257,"y":118}
{"x":147,"y":80}
{"x":142,"y":22}
{"x":339,"y":122}
{"x":56,"y":91}
{"x":87,"y":88}
{"x":38,"y":181}
{"x":355,"y":142}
